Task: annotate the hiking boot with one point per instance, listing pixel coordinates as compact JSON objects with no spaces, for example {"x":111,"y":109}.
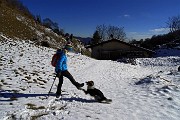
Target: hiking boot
{"x":79,"y":86}
{"x":58,"y":94}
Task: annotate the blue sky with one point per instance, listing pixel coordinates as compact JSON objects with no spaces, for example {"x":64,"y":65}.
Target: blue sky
{"x":140,"y":18}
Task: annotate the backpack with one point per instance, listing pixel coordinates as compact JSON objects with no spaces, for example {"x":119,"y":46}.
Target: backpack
{"x":55,"y":58}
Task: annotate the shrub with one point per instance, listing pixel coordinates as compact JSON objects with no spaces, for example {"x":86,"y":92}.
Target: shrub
{"x":45,"y":44}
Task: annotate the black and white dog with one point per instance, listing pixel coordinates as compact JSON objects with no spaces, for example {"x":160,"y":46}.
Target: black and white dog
{"x":96,"y":93}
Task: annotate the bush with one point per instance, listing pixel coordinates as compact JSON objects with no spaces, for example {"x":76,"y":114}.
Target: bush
{"x":86,"y":52}
{"x":45,"y":44}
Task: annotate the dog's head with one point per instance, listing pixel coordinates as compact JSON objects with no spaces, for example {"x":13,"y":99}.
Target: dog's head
{"x":90,"y":83}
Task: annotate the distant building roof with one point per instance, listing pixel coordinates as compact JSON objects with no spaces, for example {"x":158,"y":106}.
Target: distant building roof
{"x":116,"y":40}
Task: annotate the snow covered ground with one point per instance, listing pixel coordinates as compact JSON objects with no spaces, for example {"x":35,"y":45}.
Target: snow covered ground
{"x":149,"y":90}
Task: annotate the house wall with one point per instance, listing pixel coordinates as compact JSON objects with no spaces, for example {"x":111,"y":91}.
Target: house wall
{"x":114,"y":50}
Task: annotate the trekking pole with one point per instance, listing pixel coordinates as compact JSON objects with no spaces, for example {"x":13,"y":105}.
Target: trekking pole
{"x":51,"y":86}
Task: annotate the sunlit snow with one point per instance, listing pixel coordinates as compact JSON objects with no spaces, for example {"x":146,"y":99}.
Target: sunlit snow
{"x":149,"y":90}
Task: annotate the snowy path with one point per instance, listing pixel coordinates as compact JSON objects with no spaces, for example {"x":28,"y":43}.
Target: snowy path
{"x":116,"y":80}
{"x":149,"y":90}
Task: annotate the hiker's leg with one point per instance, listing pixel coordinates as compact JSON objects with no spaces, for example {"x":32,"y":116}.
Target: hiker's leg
{"x":70,"y":77}
{"x":59,"y":85}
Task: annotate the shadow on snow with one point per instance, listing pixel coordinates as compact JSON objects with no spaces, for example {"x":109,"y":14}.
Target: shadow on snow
{"x":9,"y":96}
{"x":78,"y":100}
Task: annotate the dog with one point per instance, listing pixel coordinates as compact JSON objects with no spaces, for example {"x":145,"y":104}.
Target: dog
{"x":94,"y":92}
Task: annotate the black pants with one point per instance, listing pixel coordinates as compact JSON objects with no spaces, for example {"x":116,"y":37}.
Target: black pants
{"x":69,"y":76}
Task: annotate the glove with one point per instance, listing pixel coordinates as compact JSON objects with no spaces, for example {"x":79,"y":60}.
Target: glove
{"x":58,"y":74}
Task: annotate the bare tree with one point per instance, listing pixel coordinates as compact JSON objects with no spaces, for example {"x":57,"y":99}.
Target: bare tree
{"x":116,"y":32}
{"x":174,"y":23}
{"x":102,"y":31}
{"x":109,"y":32}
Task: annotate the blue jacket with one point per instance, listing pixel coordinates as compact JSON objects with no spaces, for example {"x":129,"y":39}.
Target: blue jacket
{"x":62,"y":62}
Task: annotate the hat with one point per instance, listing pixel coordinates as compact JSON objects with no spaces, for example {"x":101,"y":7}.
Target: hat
{"x":68,"y":47}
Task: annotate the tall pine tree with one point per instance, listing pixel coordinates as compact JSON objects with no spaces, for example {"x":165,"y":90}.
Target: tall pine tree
{"x":96,"y":38}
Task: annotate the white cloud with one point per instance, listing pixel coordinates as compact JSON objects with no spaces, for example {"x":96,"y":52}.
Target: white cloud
{"x":160,"y":30}
{"x":149,"y":34}
{"x":126,"y":15}
{"x":138,"y":35}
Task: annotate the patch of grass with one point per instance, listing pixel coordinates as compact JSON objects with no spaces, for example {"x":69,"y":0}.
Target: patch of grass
{"x":4,"y":83}
{"x":2,"y":80}
{"x":34,"y":107}
{"x":28,"y":77}
{"x":29,"y":81}
{"x":15,"y":91}
{"x":24,"y":80}
{"x":16,"y":72}
{"x":169,"y":98}
{"x":43,"y":87}
{"x":23,"y":89}
{"x":35,"y":73}
{"x":88,"y":116}
{"x":39,"y":78}
{"x":25,"y":73}
{"x":12,"y":117}
{"x":13,"y":98}
{"x":9,"y":79}
{"x":18,"y":24}
{"x":21,"y":55}
{"x":10,"y":103}
{"x":44,"y":81}
{"x":41,"y":83}
{"x":30,"y":105}
{"x":13,"y":25}
{"x":11,"y":61}
{"x":86,"y":52}
{"x":21,"y":69}
{"x":35,"y":117}
{"x":35,"y":80}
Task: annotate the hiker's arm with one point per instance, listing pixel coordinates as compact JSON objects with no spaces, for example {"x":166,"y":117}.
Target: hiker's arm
{"x":60,"y":63}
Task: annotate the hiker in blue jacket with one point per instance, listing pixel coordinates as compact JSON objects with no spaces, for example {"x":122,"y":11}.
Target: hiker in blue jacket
{"x":62,"y":71}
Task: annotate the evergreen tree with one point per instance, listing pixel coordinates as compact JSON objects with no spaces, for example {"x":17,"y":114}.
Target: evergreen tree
{"x":38,"y":19}
{"x":96,"y":38}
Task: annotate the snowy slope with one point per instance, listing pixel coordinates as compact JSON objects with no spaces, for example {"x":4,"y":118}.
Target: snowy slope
{"x":149,"y":90}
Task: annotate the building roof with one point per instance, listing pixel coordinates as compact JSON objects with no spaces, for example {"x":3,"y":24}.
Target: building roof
{"x":116,"y":40}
